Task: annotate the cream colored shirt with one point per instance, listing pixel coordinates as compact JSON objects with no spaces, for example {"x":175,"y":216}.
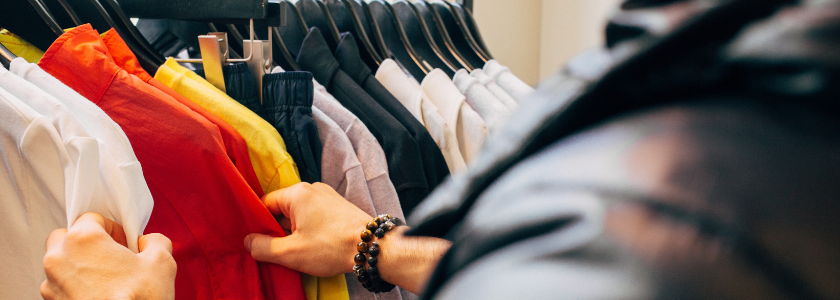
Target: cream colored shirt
{"x":412,"y":96}
{"x":467,"y":125}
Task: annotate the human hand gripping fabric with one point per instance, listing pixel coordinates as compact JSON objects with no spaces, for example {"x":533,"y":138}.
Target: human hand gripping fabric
{"x":90,"y":260}
{"x":324,"y":230}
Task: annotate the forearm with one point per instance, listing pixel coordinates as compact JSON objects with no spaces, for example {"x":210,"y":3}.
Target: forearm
{"x":408,"y":262}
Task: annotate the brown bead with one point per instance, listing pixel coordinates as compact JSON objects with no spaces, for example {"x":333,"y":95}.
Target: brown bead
{"x":367,"y":235}
{"x":360,"y":259}
{"x":372,"y":226}
{"x":362,"y":247}
{"x":378,"y":221}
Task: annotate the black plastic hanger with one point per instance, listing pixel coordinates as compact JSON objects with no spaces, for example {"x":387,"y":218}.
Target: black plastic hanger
{"x":444,"y":17}
{"x":419,"y":37}
{"x":45,"y":14}
{"x":293,"y":29}
{"x":6,"y":56}
{"x":439,"y":35}
{"x":345,"y":21}
{"x":314,"y":15}
{"x":385,"y":23}
{"x":127,"y":30}
{"x":22,"y":19}
{"x":360,"y":13}
{"x":464,"y":16}
{"x":66,"y":16}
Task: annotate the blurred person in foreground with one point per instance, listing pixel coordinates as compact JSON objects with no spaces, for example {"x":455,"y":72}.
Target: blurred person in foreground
{"x":694,"y":157}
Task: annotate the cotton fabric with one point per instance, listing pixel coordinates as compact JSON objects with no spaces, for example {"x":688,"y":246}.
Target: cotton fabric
{"x":350,"y":61}
{"x":494,"y":88}
{"x":273,"y":165}
{"x":367,"y":149}
{"x":264,"y":143}
{"x":411,"y":95}
{"x":512,"y":85}
{"x":491,"y":110}
{"x":235,"y":146}
{"x":121,"y":175}
{"x":34,"y":181}
{"x":468,"y":126}
{"x":198,"y":192}
{"x":372,"y":159}
{"x":403,"y":155}
{"x":105,"y":190}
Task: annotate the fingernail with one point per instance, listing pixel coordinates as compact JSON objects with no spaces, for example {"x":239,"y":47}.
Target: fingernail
{"x":248,"y":242}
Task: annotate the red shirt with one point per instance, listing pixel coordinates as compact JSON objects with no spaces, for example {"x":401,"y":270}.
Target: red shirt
{"x":235,"y":146}
{"x":202,"y":202}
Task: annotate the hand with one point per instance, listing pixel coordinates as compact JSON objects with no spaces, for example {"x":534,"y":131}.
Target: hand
{"x":324,"y":228}
{"x":91,"y":261}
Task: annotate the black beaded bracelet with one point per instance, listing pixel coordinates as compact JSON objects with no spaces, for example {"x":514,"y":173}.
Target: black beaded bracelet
{"x":370,"y":278}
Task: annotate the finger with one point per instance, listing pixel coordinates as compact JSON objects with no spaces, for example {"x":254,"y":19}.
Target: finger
{"x":280,"y":201}
{"x":92,"y":222}
{"x":56,"y":238}
{"x":282,"y":251}
{"x":154,"y":242}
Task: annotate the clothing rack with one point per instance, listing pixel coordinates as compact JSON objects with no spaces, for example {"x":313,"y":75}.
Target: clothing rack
{"x":196,"y":9}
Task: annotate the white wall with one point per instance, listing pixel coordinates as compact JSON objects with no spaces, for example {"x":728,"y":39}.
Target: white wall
{"x":535,"y":38}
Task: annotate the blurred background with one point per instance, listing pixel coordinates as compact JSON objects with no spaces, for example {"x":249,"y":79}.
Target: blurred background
{"x":536,"y":37}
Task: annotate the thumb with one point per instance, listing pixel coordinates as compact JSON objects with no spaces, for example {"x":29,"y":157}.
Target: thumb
{"x":283,"y":251}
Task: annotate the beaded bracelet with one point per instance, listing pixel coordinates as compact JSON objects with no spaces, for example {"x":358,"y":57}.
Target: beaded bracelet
{"x":370,"y":278}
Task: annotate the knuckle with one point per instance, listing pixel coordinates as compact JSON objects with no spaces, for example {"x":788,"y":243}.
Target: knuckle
{"x":51,"y":262}
{"x":46,"y":291}
{"x":80,"y":237}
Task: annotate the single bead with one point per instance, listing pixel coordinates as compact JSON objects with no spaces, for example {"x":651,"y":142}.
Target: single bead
{"x":372,"y":226}
{"x":378,"y":221}
{"x":367,"y":235}
{"x":374,"y":250}
{"x":397,"y":221}
{"x":373,"y":271}
{"x":362,"y":247}
{"x":357,"y":269}
{"x":360,"y":259}
{"x":379,"y":233}
{"x":390,"y":226}
{"x":372,"y":261}
{"x":364,"y":277}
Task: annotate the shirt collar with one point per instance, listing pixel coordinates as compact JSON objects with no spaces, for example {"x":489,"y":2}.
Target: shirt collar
{"x":315,"y":56}
{"x":348,"y":57}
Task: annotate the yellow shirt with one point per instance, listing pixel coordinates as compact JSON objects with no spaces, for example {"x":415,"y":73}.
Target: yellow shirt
{"x":273,"y":165}
{"x":20,"y":47}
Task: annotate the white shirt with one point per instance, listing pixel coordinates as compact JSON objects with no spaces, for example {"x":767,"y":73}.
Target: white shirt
{"x":129,"y":201}
{"x":33,"y":194}
{"x":467,"y":125}
{"x":494,"y":88}
{"x":494,"y":113}
{"x":411,"y":95}
{"x":510,"y":83}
